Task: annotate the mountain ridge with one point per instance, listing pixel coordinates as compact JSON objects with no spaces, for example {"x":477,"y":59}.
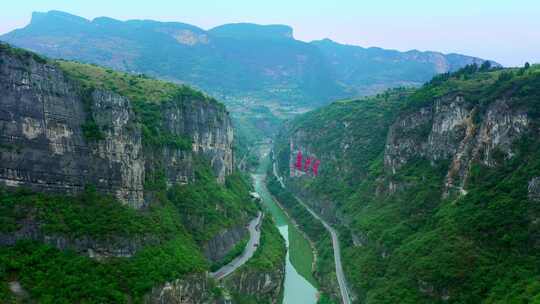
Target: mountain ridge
{"x":238,"y":61}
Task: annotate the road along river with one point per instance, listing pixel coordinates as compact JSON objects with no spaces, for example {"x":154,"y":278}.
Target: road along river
{"x":297,"y":289}
{"x":299,"y":286}
{"x":343,"y":289}
{"x":346,"y":298}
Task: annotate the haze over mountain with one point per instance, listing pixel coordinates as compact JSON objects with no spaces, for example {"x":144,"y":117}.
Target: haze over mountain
{"x":234,"y":61}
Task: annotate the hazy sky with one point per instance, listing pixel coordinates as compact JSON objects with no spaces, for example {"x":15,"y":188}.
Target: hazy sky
{"x":507,"y":31}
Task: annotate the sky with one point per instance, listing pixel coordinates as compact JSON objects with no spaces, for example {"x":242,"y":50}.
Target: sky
{"x":507,"y":31}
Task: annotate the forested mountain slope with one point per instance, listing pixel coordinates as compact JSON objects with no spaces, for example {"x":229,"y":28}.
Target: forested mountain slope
{"x":116,"y":188}
{"x":435,"y":190}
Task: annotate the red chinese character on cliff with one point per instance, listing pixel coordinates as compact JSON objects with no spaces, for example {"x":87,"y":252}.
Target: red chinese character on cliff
{"x":299,"y":160}
{"x":315,"y":168}
{"x":307,"y":164}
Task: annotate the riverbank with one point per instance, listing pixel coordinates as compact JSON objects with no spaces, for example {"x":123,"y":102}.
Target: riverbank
{"x":325,"y":269}
{"x":303,"y":253}
{"x":297,"y":288}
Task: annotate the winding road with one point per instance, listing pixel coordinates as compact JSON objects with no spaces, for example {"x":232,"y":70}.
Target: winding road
{"x":254,"y":228}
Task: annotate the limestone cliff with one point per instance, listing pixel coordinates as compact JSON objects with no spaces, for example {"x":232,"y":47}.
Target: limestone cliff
{"x":457,"y":131}
{"x":218,"y":247}
{"x":45,"y":116}
{"x":209,"y":127}
{"x":265,"y":286}
{"x":195,"y":289}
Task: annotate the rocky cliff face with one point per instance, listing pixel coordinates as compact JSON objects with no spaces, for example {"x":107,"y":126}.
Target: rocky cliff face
{"x":218,"y":247}
{"x":458,"y":131}
{"x":195,"y":289}
{"x":210,"y":129}
{"x":42,"y":139}
{"x":534,"y":189}
{"x":265,"y":286}
{"x":100,"y":249}
{"x":43,"y":144}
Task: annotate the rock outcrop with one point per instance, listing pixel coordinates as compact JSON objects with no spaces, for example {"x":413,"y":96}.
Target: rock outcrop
{"x":209,"y":127}
{"x":458,"y":131}
{"x":43,"y":146}
{"x":264,"y":286}
{"x":220,"y":245}
{"x":111,"y":246}
{"x":534,"y":189}
{"x":194,"y":289}
{"x":62,"y":130}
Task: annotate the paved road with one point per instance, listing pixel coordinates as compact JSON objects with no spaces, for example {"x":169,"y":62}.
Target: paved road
{"x":337,"y":254}
{"x":254,"y":228}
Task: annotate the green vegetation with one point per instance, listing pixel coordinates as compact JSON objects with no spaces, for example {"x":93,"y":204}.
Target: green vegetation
{"x":138,"y":88}
{"x":53,"y":276}
{"x":87,"y":214}
{"x":325,"y":299}
{"x":476,"y":249}
{"x":364,"y":123}
{"x":208,"y":207}
{"x":44,"y":270}
{"x":91,"y":131}
{"x":172,"y":251}
{"x":417,"y":245}
{"x":21,"y":54}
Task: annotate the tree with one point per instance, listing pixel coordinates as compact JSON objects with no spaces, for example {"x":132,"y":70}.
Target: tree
{"x":527,"y":65}
{"x":486,"y":66}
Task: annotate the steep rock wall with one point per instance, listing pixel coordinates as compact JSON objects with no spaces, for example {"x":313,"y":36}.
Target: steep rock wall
{"x":112,"y":246}
{"x":210,"y":128}
{"x":218,"y":247}
{"x":458,"y":131}
{"x":195,"y":289}
{"x":264,"y":286}
{"x":43,"y":145}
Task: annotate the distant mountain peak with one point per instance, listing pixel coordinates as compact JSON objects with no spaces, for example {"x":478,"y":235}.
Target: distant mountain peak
{"x":58,"y":15}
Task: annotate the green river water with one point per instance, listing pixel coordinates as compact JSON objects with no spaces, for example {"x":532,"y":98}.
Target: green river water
{"x":299,"y":286}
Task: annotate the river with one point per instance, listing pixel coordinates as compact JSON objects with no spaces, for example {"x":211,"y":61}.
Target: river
{"x":297,"y":287}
